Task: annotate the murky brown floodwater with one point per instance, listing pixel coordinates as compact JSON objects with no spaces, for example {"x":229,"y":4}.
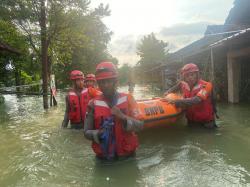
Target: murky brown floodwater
{"x":34,"y":151}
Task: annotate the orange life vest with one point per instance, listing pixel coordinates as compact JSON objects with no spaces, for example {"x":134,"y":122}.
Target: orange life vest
{"x":78,"y":106}
{"x":202,"y":112}
{"x":93,"y":92}
{"x":125,"y":142}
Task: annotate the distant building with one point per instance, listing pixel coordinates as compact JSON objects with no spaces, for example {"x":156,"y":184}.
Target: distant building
{"x":223,"y":55}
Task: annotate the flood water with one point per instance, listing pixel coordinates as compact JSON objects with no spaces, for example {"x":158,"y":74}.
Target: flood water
{"x":35,"y":151}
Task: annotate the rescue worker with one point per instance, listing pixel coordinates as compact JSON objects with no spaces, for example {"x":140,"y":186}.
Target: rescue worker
{"x":90,"y":81}
{"x":76,"y":102}
{"x":197,"y":97}
{"x":110,"y":119}
{"x":90,"y":84}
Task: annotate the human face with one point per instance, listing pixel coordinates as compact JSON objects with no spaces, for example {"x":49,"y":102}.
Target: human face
{"x":107,"y":86}
{"x":90,"y":83}
{"x":79,"y":84}
{"x":191,"y":78}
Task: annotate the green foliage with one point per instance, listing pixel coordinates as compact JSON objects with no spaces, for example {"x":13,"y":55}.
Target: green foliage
{"x":26,"y":79}
{"x":113,"y":60}
{"x":10,"y":35}
{"x":76,"y":36}
{"x":125,"y":74}
{"x":151,"y":51}
{"x":11,"y":63}
{"x":81,"y":45}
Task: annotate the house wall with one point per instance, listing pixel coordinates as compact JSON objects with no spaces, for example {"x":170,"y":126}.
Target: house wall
{"x":220,"y":74}
{"x":233,"y":72}
{"x":237,"y":75}
{"x":245,"y":80}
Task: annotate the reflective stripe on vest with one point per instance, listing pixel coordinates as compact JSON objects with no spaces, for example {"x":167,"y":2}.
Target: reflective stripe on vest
{"x":202,"y":112}
{"x":122,"y":100}
{"x":78,"y":106}
{"x":101,"y":103}
{"x":126,"y":142}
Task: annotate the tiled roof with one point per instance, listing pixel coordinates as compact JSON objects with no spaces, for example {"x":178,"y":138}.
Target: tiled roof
{"x":234,"y":36}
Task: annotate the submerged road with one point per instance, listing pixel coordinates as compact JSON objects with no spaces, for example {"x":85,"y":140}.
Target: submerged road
{"x":35,"y":151}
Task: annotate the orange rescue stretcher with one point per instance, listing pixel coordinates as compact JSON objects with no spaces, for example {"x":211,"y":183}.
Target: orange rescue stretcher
{"x":155,"y":112}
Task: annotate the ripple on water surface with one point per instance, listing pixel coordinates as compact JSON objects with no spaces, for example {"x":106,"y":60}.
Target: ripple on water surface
{"x":36,"y":152}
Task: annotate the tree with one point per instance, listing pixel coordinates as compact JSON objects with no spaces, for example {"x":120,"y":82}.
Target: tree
{"x":82,"y":44}
{"x":14,"y":65}
{"x":65,"y":32}
{"x":125,"y":74}
{"x":151,"y":51}
{"x":32,"y":18}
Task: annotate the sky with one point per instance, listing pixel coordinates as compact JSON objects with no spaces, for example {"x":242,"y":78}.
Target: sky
{"x":178,"y":22}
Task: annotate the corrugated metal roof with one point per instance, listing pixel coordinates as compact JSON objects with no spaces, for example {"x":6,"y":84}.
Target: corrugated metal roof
{"x":234,"y":36}
{"x":194,"y":48}
{"x":202,"y":45}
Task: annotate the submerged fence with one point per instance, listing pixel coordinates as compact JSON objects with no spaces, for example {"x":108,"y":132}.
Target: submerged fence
{"x":29,"y":89}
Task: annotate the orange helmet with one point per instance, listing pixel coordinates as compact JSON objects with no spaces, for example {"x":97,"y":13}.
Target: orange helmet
{"x":90,"y":77}
{"x":76,"y":74}
{"x":106,"y":70}
{"x":188,"y":68}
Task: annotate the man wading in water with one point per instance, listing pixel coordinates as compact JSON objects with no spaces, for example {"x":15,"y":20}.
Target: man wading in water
{"x":77,"y":100}
{"x":110,"y":120}
{"x":197,"y":95}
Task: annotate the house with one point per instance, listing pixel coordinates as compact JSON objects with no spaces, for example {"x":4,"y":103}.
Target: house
{"x":223,"y":55}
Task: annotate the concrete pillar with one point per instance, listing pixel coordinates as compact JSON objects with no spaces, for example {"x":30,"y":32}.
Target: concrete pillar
{"x":212,"y":65}
{"x":163,"y":78}
{"x":233,"y":69}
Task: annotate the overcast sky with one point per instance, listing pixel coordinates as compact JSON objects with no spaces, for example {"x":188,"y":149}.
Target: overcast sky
{"x":178,"y":22}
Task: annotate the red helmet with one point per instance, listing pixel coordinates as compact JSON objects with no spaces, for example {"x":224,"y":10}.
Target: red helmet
{"x":90,"y":77}
{"x":76,"y":74}
{"x":188,"y":68}
{"x":106,"y":70}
